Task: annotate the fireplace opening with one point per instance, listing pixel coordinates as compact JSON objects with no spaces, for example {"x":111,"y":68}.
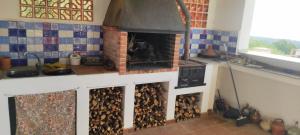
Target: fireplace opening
{"x":150,"y":105}
{"x":106,"y":111}
{"x":147,"y":51}
{"x":187,"y":107}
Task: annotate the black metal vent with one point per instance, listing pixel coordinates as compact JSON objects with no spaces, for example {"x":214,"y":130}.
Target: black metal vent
{"x":154,"y":16}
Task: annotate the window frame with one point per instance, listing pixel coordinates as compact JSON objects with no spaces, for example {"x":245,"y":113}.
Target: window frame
{"x":244,"y":39}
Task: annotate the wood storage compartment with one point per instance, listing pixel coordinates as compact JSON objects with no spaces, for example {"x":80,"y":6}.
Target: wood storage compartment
{"x":150,"y":104}
{"x":187,"y":107}
{"x":106,"y":111}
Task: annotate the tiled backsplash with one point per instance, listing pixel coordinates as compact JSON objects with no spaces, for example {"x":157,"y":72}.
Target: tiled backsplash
{"x":201,"y":38}
{"x":52,"y":42}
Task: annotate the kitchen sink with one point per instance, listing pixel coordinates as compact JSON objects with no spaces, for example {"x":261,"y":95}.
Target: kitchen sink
{"x":25,"y":71}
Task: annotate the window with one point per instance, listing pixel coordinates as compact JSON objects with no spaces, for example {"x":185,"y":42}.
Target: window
{"x":276,"y":28}
{"x":78,"y":10}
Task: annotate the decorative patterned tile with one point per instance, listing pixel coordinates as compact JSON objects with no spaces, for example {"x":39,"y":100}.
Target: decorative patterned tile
{"x":60,"y":118}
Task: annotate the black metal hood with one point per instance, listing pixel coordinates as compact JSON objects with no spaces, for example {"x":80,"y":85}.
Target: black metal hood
{"x":154,"y":16}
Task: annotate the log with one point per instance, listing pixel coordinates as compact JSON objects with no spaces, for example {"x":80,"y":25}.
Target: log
{"x":187,"y":107}
{"x":149,"y":106}
{"x":106,"y":111}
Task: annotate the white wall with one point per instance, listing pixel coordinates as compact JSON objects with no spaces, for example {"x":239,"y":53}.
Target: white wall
{"x":227,"y":14}
{"x":273,"y":96}
{"x":10,"y":11}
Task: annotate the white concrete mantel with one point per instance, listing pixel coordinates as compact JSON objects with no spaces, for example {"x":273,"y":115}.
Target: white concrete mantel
{"x":83,"y":84}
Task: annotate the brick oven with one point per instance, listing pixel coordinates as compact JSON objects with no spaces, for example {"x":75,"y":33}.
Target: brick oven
{"x":143,"y":37}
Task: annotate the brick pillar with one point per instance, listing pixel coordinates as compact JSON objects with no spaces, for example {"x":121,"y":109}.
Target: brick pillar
{"x":176,"y":52}
{"x":115,"y":47}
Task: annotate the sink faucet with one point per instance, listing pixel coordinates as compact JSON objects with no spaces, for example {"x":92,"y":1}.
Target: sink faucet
{"x":39,"y":64}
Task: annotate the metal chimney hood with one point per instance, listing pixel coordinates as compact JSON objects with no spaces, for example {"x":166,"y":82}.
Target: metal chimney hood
{"x":152,"y":16}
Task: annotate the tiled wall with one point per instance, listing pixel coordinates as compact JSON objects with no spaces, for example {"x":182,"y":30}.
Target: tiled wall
{"x":52,"y":42}
{"x":201,"y":38}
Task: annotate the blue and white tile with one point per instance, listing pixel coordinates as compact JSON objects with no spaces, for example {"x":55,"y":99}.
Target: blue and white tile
{"x":80,"y":27}
{"x":196,"y":36}
{"x":13,"y":32}
{"x":14,"y":55}
{"x":13,"y":40}
{"x":22,"y":33}
{"x":29,"y":25}
{"x":4,"y":47}
{"x":38,"y":40}
{"x":79,"y":47}
{"x":64,"y":33}
{"x":22,"y":40}
{"x":21,"y":25}
{"x":4,"y":40}
{"x":65,"y":40}
{"x":224,"y":38}
{"x":3,"y":32}
{"x":30,"y":40}
{"x":38,"y":26}
{"x":66,"y":27}
{"x":12,"y":25}
{"x":38,"y":33}
{"x":91,"y":47}
{"x":195,"y":46}
{"x":66,"y":47}
{"x":30,"y":33}
{"x":80,"y":41}
{"x":35,"y":48}
{"x":4,"y":24}
{"x":65,"y":54}
{"x":5,"y":54}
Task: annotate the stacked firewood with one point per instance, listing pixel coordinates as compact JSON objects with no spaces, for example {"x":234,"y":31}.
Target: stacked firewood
{"x":187,"y":107}
{"x":149,"y":108}
{"x":106,"y":111}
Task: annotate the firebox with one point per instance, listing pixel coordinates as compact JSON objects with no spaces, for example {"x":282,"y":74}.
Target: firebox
{"x":150,"y":51}
{"x":141,"y":52}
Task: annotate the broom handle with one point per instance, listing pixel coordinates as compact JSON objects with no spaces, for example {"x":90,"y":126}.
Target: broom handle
{"x":234,"y":86}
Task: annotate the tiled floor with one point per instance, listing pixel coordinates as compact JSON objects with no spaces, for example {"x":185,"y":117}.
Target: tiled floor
{"x":206,"y":125}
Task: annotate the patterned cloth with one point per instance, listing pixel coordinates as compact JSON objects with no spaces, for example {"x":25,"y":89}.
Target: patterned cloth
{"x":46,"y":114}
